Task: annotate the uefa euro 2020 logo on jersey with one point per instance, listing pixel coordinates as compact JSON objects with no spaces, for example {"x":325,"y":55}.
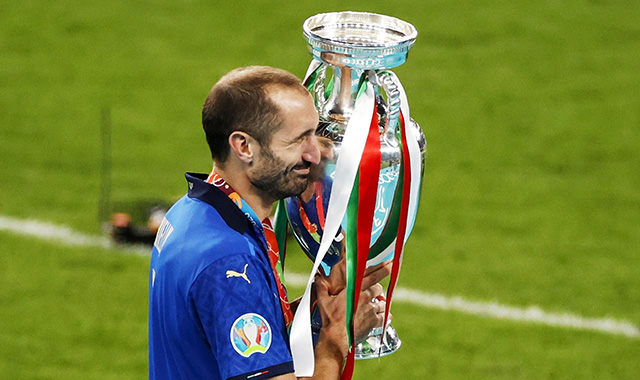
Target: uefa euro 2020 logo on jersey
{"x":250,"y":333}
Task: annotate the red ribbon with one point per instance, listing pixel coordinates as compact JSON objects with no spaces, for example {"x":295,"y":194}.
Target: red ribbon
{"x":369,"y":173}
{"x":402,"y":223}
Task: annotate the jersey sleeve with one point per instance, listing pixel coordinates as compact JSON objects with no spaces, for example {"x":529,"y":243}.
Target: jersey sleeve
{"x":238,"y":306}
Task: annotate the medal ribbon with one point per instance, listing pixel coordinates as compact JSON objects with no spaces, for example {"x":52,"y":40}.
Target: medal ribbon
{"x":270,"y":237}
{"x":274,"y":257}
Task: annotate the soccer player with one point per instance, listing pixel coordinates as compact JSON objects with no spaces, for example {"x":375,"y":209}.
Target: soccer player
{"x":217,"y":305}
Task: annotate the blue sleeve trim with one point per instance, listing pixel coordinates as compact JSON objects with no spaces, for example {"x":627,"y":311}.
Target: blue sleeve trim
{"x":266,"y":373}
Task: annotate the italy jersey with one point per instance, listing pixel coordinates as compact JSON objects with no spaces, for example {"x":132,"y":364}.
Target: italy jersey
{"x":214,"y":308}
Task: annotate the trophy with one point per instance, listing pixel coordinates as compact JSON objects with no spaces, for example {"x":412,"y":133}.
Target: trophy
{"x":361,"y":202}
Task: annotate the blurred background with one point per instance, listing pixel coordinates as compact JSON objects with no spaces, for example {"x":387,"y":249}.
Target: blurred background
{"x":531,"y":196}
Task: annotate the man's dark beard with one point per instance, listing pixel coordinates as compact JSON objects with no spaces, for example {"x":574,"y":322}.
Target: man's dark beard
{"x":274,"y":182}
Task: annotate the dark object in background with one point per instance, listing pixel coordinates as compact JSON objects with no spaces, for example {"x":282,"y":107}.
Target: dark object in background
{"x":124,"y":230}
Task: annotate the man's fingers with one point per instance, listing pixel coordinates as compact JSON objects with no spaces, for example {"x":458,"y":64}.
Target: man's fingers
{"x":337,"y":277}
{"x":376,"y":274}
{"x":376,"y":291}
{"x":336,"y":281}
{"x":321,"y":286}
{"x":379,"y":307}
{"x":385,"y":265}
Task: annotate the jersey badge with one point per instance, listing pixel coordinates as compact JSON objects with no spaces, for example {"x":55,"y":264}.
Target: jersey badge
{"x":163,"y":233}
{"x":250,"y":333}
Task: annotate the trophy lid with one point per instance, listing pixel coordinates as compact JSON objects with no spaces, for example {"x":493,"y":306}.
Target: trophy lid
{"x":359,"y":40}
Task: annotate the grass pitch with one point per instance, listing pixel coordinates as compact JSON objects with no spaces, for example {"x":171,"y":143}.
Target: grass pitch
{"x":531,"y":194}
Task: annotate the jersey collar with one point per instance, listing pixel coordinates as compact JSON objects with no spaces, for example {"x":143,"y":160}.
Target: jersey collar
{"x":232,"y":215}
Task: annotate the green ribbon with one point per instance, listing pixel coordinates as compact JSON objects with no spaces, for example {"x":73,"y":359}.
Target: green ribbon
{"x":351,"y":253}
{"x":280,"y":230}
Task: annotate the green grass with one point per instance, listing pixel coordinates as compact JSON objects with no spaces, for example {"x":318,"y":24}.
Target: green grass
{"x":531,"y":194}
{"x":71,"y":312}
{"x":81,"y":312}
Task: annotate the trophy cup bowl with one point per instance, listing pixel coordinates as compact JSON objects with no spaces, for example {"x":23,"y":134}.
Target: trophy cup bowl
{"x":347,"y":46}
{"x":359,"y":40}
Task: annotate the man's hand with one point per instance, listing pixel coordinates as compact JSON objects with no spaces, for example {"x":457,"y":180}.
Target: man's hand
{"x":372,"y":303}
{"x":331,"y":299}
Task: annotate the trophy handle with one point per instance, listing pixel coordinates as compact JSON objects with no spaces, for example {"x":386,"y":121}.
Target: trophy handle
{"x":319,"y":90}
{"x":385,"y":80}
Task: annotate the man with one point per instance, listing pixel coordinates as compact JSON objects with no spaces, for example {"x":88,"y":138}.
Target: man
{"x":217,"y":306}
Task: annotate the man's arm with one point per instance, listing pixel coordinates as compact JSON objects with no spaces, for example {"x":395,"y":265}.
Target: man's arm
{"x":332,"y":347}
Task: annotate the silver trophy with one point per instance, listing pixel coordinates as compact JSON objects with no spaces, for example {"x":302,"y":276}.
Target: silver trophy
{"x":349,"y":47}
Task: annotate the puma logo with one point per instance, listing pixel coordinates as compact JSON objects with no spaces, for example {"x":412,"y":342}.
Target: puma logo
{"x":232,"y":273}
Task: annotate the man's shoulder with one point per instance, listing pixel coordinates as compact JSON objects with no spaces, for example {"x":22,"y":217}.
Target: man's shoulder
{"x":193,"y":235}
{"x":193,"y":214}
{"x":199,"y":227}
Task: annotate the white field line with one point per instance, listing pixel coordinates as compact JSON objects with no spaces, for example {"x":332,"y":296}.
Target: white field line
{"x":532,"y":314}
{"x":61,"y":234}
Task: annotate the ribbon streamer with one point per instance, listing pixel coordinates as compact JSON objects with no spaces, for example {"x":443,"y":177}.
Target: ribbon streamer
{"x":363,"y":204}
{"x":280,"y":229}
{"x":346,"y":167}
{"x":410,"y":182}
{"x":356,"y":175}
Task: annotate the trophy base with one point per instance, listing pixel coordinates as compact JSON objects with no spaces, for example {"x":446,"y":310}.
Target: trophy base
{"x":376,"y":346}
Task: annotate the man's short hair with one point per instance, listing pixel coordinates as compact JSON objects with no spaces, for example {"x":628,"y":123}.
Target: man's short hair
{"x":240,"y":101}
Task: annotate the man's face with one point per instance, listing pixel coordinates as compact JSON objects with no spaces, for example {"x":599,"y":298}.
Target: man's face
{"x":326,"y":154}
{"x":282,"y":169}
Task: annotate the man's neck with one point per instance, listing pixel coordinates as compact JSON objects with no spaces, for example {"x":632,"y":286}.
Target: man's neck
{"x":239,"y":181}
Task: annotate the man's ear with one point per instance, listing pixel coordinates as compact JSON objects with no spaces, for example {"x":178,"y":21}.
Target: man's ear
{"x":242,"y":145}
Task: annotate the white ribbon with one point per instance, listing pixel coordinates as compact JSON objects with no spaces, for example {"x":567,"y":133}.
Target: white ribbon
{"x":312,"y":67}
{"x":414,"y":154}
{"x":351,"y":150}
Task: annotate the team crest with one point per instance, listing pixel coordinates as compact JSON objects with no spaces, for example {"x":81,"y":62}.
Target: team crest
{"x":250,"y":333}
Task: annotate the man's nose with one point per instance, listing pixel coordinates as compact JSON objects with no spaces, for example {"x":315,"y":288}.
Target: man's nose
{"x":311,"y":151}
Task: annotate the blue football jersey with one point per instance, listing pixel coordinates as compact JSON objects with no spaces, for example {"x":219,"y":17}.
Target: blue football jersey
{"x":214,"y":309}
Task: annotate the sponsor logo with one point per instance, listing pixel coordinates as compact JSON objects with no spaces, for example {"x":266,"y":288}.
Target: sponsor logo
{"x":250,"y":334}
{"x":232,"y":273}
